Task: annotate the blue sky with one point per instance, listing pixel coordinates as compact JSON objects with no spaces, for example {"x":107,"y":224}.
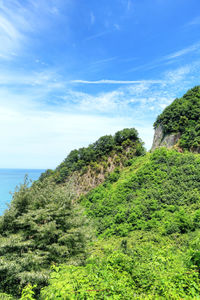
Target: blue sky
{"x":74,"y":70}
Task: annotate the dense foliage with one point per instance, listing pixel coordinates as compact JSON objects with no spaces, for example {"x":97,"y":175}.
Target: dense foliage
{"x":44,"y":226}
{"x":142,"y":266}
{"x":78,"y":159}
{"x":41,"y":228}
{"x":160,"y":192}
{"x":147,"y":217}
{"x":183,"y":116}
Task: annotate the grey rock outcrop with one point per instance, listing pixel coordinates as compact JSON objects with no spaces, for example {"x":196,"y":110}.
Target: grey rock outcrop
{"x":164,"y":140}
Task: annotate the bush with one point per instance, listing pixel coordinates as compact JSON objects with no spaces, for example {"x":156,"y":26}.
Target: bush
{"x":41,"y":227}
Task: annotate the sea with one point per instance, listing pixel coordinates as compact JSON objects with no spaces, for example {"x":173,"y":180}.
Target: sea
{"x":9,"y":179}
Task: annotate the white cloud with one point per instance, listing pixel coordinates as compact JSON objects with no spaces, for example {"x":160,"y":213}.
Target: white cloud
{"x":109,"y":81}
{"x":39,"y":135}
{"x":171,"y":58}
{"x":146,"y":133}
{"x":163,"y":105}
{"x":44,"y":116}
{"x":37,"y":139}
{"x":182,"y":52}
{"x":10,"y":38}
{"x":178,"y":74}
{"x":105,"y":102}
{"x":19,"y":20}
{"x":42,"y":78}
{"x":97,"y":35}
{"x":195,"y":21}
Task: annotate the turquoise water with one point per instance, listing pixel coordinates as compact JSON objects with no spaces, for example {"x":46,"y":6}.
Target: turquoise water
{"x":9,"y":179}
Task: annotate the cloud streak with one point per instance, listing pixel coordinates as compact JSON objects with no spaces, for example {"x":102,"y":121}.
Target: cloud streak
{"x":167,"y":59}
{"x":194,"y":22}
{"x":182,"y":52}
{"x":110,"y":81}
{"x":97,"y":35}
{"x":48,"y":131}
{"x":18,"y":22}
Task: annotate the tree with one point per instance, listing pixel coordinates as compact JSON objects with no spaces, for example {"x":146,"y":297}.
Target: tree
{"x":42,"y":227}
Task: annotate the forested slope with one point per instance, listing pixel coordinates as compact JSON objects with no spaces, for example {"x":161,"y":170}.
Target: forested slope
{"x":183,"y":116}
{"x":111,"y":221}
{"x":45,"y":225}
{"x":147,"y":220}
{"x":90,"y":165}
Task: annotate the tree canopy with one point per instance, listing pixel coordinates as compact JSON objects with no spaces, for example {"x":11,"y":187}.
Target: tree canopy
{"x":183,"y":116}
{"x":78,"y":159}
{"x":41,"y":228}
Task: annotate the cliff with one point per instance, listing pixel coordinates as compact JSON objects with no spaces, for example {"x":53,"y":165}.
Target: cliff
{"x":164,"y":140}
{"x":90,"y":166}
{"x":180,"y":123}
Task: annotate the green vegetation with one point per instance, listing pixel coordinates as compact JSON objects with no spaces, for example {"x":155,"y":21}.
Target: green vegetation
{"x":147,"y":219}
{"x":104,"y":147}
{"x":158,"y":192}
{"x":142,"y":266}
{"x":183,"y":116}
{"x":45,"y":226}
{"x":134,"y":236}
{"x":41,"y":228}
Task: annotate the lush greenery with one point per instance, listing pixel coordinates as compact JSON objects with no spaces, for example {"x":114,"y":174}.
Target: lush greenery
{"x":142,"y":225}
{"x":183,"y":116}
{"x":41,"y":228}
{"x":147,"y":218}
{"x":107,"y":145}
{"x":160,"y":191}
{"x":142,"y":266}
{"x":44,"y":224}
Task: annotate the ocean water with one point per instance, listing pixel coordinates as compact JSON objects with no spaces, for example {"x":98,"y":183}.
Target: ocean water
{"x":9,"y":179}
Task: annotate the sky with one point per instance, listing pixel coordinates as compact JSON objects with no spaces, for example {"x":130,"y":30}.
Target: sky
{"x":74,"y":70}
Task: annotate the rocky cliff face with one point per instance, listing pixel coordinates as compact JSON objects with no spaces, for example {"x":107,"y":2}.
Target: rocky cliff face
{"x":164,"y":140}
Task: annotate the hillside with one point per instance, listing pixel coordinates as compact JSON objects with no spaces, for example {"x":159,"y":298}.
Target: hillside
{"x":159,"y":192}
{"x":111,"y":221}
{"x":179,"y":123}
{"x":147,"y":219}
{"x":45,"y":225}
{"x":89,"y":166}
{"x":147,"y":226}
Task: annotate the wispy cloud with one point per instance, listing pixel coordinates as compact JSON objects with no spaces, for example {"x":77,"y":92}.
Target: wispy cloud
{"x":123,"y":101}
{"x":19,"y":21}
{"x":195,"y":21}
{"x":110,"y":81}
{"x":43,"y":78}
{"x":167,"y":59}
{"x":97,"y":35}
{"x":178,"y":74}
{"x":103,"y":61}
{"x":40,"y":135}
{"x":182,"y":52}
{"x":54,"y":112}
{"x":11,"y":37}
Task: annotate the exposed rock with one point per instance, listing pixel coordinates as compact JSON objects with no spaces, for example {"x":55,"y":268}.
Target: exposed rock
{"x":195,"y":150}
{"x":164,"y":140}
{"x":95,"y":174}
